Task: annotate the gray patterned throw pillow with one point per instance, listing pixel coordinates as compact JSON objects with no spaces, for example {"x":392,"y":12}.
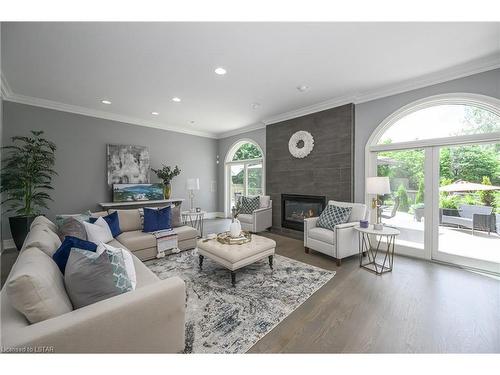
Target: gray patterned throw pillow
{"x":249,"y":204}
{"x":332,"y":216}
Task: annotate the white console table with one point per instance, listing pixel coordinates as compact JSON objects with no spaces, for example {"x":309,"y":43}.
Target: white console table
{"x":139,"y":204}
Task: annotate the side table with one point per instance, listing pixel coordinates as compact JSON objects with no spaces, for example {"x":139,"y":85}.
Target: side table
{"x":194,"y":219}
{"x":365,"y":246}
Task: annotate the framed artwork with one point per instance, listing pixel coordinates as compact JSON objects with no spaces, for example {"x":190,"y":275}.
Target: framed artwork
{"x":127,"y":164}
{"x":137,"y":192}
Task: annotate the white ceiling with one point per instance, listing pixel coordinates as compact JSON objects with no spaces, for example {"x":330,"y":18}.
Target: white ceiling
{"x":141,"y":66}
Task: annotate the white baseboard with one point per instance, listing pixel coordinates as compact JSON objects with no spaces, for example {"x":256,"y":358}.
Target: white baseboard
{"x":8,"y":244}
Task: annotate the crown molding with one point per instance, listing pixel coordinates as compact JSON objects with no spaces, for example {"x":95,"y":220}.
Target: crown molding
{"x":8,"y":95}
{"x":246,"y":129}
{"x":463,"y":70}
{"x":460,"y":71}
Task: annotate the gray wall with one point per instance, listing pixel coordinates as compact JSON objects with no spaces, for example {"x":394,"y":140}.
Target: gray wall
{"x":369,"y":115}
{"x":258,"y":136}
{"x":81,"y":156}
{"x":327,"y":170}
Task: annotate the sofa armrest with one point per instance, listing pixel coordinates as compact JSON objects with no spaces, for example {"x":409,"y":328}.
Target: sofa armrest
{"x":346,"y":225}
{"x":310,"y":222}
{"x":262,"y":209}
{"x":150,"y":319}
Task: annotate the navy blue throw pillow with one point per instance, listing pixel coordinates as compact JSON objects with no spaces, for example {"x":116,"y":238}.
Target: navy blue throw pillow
{"x":113,"y":223}
{"x":62,"y":254}
{"x":157,"y":219}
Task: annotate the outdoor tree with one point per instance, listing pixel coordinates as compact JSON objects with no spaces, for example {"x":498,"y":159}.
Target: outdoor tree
{"x":487,"y":196}
{"x":420,"y":193}
{"x":247,"y":151}
{"x":404,"y":202}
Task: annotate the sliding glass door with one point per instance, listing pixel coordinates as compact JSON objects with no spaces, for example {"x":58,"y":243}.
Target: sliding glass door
{"x":442,"y":157}
{"x":466,"y":218}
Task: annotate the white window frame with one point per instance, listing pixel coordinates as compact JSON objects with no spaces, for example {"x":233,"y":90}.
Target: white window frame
{"x":431,"y":164}
{"x":228,"y":161}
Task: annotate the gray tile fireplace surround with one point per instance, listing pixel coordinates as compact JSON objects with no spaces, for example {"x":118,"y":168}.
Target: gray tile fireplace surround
{"x":327,"y":171}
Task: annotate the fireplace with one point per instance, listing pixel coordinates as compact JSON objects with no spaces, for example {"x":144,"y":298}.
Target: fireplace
{"x":295,"y":208}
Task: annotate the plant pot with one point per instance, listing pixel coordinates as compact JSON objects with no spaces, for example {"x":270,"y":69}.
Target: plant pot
{"x":167,"y":191}
{"x":19,"y":228}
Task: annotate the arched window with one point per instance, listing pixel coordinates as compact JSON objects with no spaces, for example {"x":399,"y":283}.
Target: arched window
{"x":244,"y":171}
{"x":442,"y":157}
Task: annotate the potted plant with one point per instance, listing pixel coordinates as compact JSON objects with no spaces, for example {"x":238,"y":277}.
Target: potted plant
{"x":166,"y":174}
{"x":26,"y":176}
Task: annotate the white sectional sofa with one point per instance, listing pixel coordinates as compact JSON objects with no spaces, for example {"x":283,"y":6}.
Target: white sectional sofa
{"x":149,"y":319}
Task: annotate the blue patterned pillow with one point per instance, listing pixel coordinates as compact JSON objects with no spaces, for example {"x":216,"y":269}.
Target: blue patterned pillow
{"x":332,"y":216}
{"x":249,"y":204}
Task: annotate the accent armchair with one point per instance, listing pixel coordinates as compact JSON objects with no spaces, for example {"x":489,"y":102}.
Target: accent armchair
{"x":261,"y":218}
{"x":342,"y":241}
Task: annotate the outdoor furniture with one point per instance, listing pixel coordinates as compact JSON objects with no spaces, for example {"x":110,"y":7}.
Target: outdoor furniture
{"x":469,"y":216}
{"x":393,"y":211}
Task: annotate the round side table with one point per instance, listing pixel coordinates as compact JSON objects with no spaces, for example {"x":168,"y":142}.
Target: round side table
{"x":366,"y":247}
{"x":194,"y":219}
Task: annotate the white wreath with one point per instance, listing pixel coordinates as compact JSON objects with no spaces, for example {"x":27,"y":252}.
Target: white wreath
{"x":306,"y":138}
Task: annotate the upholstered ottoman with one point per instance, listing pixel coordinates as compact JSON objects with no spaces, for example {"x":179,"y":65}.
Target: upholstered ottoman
{"x":234,"y":257}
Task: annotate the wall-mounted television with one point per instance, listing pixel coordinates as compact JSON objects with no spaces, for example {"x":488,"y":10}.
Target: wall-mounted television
{"x":137,"y":192}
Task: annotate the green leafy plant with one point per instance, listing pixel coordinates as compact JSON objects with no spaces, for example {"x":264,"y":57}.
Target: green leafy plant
{"x":404,"y":202}
{"x":27,"y":173}
{"x":487,"y":196}
{"x":167,"y":173}
{"x":420,"y":193}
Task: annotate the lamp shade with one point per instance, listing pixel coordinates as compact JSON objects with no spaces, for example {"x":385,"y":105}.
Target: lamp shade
{"x":378,"y":185}
{"x":193,"y":184}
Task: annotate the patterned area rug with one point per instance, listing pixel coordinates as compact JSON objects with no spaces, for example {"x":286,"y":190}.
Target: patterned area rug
{"x":223,"y":319}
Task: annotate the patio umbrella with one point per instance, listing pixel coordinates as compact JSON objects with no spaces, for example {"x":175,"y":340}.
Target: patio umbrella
{"x":467,"y":186}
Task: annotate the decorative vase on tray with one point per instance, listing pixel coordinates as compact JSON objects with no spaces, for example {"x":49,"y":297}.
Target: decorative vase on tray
{"x":235,"y":227}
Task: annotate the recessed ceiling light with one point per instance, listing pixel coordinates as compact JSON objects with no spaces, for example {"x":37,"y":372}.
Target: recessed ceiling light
{"x":302,"y":88}
{"x":191,"y":122}
{"x":176,"y":99}
{"x":255,"y":105}
{"x":104,"y":101}
{"x":220,"y":71}
{"x":155,"y":113}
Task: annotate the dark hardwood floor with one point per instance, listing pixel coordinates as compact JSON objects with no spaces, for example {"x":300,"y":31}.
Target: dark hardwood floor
{"x":421,"y":307}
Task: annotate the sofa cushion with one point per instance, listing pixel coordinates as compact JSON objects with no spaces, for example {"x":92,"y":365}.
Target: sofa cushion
{"x":358,"y":211}
{"x":42,"y":238}
{"x":61,"y":256}
{"x":43,"y":221}
{"x":246,"y":218}
{"x":129,"y":219}
{"x":73,"y":227}
{"x":89,"y":278}
{"x":127,"y":259}
{"x":100,"y":213}
{"x":176,"y":216}
{"x":265,"y":201}
{"x":99,"y":231}
{"x":322,"y":234}
{"x":113,"y":222}
{"x":333,"y":215}
{"x":249,"y":204}
{"x":137,"y":240}
{"x":35,"y":287}
{"x":185,"y":233}
{"x":156,"y":219}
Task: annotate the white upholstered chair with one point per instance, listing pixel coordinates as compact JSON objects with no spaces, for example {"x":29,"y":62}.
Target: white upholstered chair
{"x":261,"y":219}
{"x":342,"y":241}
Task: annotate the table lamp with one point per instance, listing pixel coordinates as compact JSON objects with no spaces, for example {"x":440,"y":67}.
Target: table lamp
{"x":192,"y":184}
{"x":378,"y":186}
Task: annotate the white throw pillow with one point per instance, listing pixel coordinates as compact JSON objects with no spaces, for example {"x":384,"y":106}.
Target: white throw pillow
{"x":264,"y":201}
{"x":99,"y":231}
{"x":127,"y":258}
